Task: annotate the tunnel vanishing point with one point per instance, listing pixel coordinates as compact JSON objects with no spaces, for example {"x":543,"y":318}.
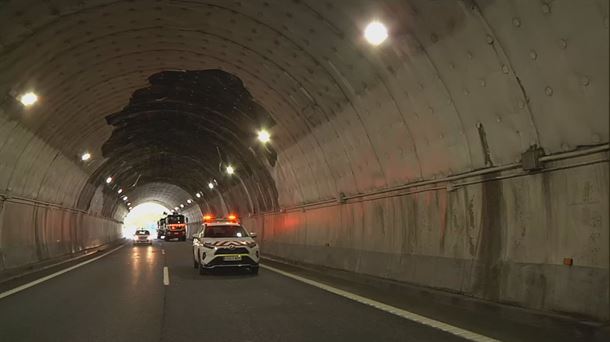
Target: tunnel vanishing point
{"x":457,"y":145}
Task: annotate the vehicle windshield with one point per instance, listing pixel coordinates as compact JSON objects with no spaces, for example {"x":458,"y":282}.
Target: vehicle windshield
{"x":172,"y":219}
{"x":225,"y":231}
{"x":142,"y":232}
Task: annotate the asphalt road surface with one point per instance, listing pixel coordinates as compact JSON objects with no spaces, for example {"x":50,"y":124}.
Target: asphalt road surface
{"x":122,"y":297}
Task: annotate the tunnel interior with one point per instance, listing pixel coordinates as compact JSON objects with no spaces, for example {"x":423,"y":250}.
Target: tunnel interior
{"x":468,"y":152}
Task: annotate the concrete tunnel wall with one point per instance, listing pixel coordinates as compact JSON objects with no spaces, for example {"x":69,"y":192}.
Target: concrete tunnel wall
{"x":460,"y":86}
{"x":502,"y":240}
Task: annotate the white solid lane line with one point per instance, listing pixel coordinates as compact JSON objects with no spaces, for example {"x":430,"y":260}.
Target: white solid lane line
{"x":390,"y":309}
{"x":50,"y":276}
{"x":165,"y":276}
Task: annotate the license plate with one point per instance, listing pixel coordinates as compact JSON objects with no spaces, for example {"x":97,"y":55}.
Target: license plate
{"x":232,"y":258}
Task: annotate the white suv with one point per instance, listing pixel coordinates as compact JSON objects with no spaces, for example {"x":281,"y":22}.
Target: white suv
{"x":224,"y":244}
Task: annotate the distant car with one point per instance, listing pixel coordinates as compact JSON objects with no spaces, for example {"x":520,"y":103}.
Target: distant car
{"x":142,"y":237}
{"x":224,"y":243}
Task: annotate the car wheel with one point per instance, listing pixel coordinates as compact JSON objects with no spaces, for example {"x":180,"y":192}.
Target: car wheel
{"x":202,"y":271}
{"x":195,"y":263}
{"x":254,"y":270}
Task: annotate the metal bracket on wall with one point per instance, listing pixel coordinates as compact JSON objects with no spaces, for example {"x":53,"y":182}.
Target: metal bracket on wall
{"x":341,"y":198}
{"x":530,"y":159}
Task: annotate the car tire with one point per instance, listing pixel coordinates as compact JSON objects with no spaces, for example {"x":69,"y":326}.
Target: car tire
{"x":202,"y":271}
{"x":254,"y":270}
{"x":195,"y":262}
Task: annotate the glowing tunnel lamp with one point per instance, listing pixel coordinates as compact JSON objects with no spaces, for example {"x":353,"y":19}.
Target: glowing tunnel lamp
{"x":189,"y":201}
{"x":264,"y":136}
{"x":108,"y":180}
{"x":181,"y":205}
{"x":28,"y":99}
{"x":176,"y":208}
{"x":198,"y":195}
{"x":375,"y":33}
{"x":124,"y":198}
{"x":86,"y":156}
{"x":211,"y":185}
{"x":230,"y":170}
{"x":120,"y":190}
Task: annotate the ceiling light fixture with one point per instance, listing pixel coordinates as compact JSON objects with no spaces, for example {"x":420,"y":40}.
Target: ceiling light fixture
{"x":86,"y":156}
{"x":28,"y":99}
{"x":375,"y":33}
{"x":264,"y":136}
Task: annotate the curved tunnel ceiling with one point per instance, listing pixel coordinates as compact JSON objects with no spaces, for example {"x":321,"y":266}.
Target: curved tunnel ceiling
{"x":185,"y":129}
{"x":458,"y":86}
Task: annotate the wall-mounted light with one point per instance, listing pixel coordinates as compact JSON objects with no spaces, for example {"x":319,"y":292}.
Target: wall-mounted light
{"x":129,"y":204}
{"x":264,"y":136}
{"x":375,"y":33}
{"x":28,"y":99}
{"x":108,"y":180}
{"x":120,"y":190}
{"x":230,"y":170}
{"x":189,"y":201}
{"x":211,"y":185}
{"x":176,"y":208}
{"x":86,"y":156}
{"x":124,"y":198}
{"x":181,"y":205}
{"x":198,"y":195}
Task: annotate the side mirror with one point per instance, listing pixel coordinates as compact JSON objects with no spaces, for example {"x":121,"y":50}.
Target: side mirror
{"x":252,"y":235}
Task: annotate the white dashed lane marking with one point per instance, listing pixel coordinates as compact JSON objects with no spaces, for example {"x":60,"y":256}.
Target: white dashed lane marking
{"x":165,"y":276}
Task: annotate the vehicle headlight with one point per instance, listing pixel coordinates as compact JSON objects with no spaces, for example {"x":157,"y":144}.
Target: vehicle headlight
{"x":251,"y":244}
{"x":208,"y":245}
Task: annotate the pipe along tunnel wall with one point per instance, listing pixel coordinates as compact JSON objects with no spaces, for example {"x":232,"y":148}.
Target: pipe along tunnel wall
{"x":501,"y":240}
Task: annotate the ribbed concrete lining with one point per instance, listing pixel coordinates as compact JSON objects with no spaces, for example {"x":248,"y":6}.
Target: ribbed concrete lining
{"x":459,"y":86}
{"x":453,"y":74}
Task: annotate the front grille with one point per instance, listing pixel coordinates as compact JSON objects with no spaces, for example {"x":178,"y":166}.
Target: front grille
{"x":239,"y":250}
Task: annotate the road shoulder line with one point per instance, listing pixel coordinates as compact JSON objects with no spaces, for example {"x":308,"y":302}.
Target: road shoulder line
{"x":388,"y":308}
{"x":53,"y":275}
